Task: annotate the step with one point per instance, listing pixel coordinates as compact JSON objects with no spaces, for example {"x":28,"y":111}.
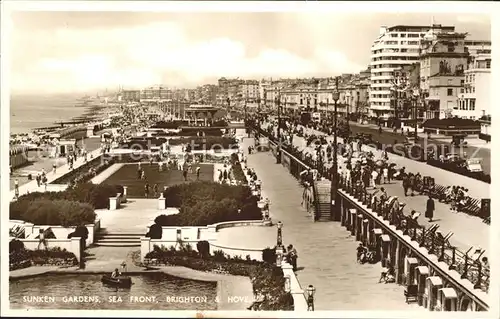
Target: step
{"x":117,"y":244}
{"x":124,"y":240}
{"x":121,"y":234}
{"x":116,"y":237}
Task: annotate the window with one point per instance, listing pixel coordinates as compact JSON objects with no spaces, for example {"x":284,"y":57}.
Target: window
{"x":461,"y":90}
{"x":450,"y":92}
{"x":450,"y":82}
{"x":472,"y":105}
{"x":488,"y":64}
{"x":462,"y":82}
{"x":473,"y":89}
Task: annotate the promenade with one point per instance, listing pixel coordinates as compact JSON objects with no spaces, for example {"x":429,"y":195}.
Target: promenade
{"x":327,"y":252}
{"x":468,"y":230}
{"x":32,"y":186}
{"x":43,"y":161}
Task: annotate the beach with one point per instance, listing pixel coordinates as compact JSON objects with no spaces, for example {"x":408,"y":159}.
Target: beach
{"x":30,"y":112}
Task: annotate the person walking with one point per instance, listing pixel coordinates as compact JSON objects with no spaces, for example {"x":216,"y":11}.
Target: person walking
{"x":405,"y":185}
{"x":429,"y":212}
{"x":146,"y":190}
{"x":292,"y":256}
{"x":385,"y":175}
{"x":198,"y":172}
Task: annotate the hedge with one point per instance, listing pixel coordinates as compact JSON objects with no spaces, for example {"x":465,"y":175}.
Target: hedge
{"x":96,"y":195}
{"x":205,"y":203}
{"x":268,"y":281}
{"x":238,"y":173}
{"x":52,"y":212}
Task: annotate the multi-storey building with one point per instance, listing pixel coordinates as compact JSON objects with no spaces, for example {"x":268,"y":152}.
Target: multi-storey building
{"x":156,"y":93}
{"x":130,"y":95}
{"x":474,"y":99}
{"x":394,"y":48}
{"x":443,"y":58}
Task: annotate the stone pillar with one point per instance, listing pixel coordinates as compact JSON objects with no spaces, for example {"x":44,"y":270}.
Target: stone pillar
{"x":421,"y":274}
{"x":162,"y":203}
{"x":375,"y":239}
{"x":448,"y":299}
{"x":397,"y":262}
{"x":76,"y":247}
{"x":343,"y":216}
{"x":124,"y":196}
{"x":411,"y":264}
{"x":384,"y":249}
{"x":352,"y":224}
{"x":145,"y":247}
{"x":433,"y":284}
{"x":113,"y":203}
{"x":359,"y":220}
{"x":365,"y":232}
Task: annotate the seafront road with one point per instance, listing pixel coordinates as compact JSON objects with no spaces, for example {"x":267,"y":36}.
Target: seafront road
{"x":327,"y":252}
{"x":468,"y":230}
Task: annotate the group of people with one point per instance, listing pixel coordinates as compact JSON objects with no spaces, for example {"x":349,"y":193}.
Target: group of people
{"x":457,"y":197}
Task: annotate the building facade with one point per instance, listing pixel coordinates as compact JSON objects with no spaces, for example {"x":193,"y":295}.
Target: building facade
{"x":474,"y":99}
{"x":395,"y":47}
{"x":130,"y":95}
{"x":156,"y":93}
{"x":442,"y":63}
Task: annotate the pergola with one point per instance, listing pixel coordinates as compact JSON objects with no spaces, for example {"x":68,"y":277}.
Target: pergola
{"x":198,"y":112}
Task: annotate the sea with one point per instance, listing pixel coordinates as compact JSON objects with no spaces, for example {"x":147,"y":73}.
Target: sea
{"x":28,"y":112}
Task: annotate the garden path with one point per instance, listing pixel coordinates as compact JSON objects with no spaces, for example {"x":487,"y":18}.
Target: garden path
{"x":327,"y":252}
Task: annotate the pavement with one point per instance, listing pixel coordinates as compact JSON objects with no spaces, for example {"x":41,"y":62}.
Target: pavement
{"x":326,"y":251}
{"x":41,"y":160}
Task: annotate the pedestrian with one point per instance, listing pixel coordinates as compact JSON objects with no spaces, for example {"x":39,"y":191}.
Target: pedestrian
{"x":146,"y":190}
{"x":54,"y":167}
{"x":373,"y":179}
{"x":429,"y":212}
{"x":411,"y":184}
{"x":224,"y":176}
{"x":292,"y":256}
{"x":155,"y":190}
{"x":143,"y":174}
{"x":139,"y":172}
{"x":198,"y":172}
{"x":44,"y":181}
{"x":405,"y":184}
{"x":38,"y":179}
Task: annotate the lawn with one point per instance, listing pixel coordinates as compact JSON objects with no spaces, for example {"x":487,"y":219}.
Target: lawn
{"x":127,"y":176}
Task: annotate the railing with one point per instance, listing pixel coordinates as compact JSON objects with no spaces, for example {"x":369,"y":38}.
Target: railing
{"x":437,"y":245}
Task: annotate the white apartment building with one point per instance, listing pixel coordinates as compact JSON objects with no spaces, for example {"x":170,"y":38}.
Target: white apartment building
{"x":474,"y":101}
{"x":395,"y":47}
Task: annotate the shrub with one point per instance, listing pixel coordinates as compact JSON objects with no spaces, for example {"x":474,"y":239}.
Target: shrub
{"x":269,"y":255}
{"x":203,"y":248}
{"x":155,"y":231}
{"x":80,"y":231}
{"x":96,"y":195}
{"x":16,"y":246}
{"x":52,"y":212}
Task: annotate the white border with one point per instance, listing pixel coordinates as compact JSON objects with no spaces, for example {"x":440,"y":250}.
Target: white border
{"x":265,"y":6}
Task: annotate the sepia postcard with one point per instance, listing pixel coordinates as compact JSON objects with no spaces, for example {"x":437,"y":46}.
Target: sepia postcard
{"x":248,"y":159}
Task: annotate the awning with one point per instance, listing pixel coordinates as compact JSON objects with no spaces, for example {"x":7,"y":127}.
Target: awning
{"x":423,"y":270}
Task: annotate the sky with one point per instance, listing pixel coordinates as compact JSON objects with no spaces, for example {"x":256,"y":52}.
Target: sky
{"x":62,"y":52}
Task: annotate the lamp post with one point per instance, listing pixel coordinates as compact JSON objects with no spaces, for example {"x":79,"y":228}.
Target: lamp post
{"x":278,"y":148}
{"x":310,"y":297}
{"x":279,"y":239}
{"x":279,"y":255}
{"x":334,"y":172}
{"x":416,"y":95}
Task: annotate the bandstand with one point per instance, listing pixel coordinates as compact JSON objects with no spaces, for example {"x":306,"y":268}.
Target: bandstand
{"x":200,"y":114}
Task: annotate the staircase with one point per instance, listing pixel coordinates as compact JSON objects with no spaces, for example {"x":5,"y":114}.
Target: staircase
{"x":119,"y":239}
{"x":323,"y":201}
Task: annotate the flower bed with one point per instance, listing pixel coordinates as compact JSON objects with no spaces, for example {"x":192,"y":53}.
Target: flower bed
{"x":20,"y":257}
{"x":206,"y":203}
{"x":267,"y":279}
{"x":96,"y":195}
{"x":87,"y":171}
{"x":52,"y":212}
